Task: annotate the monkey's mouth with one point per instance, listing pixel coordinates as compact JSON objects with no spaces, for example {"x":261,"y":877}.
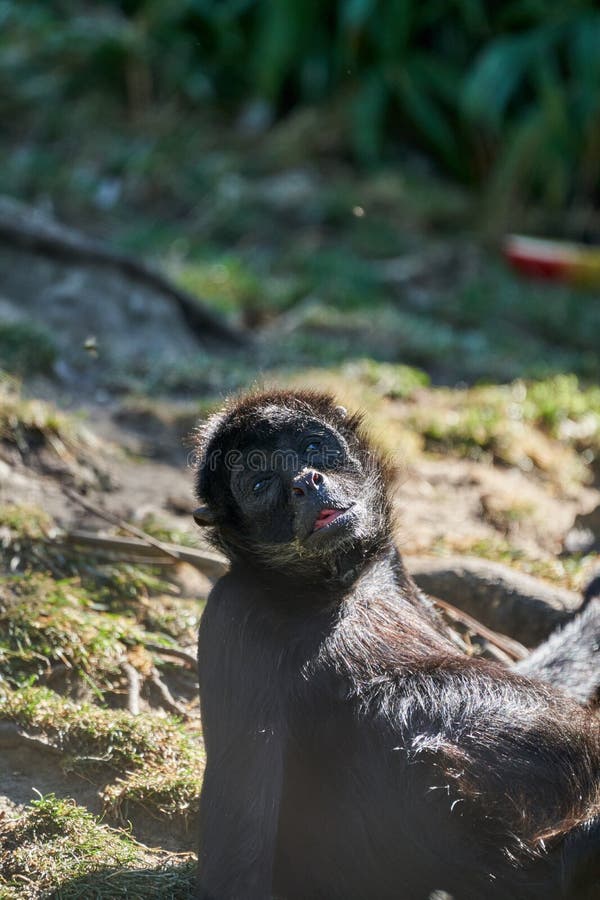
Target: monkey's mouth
{"x":326,"y":518}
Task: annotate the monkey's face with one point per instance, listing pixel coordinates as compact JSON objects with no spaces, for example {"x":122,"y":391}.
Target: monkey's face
{"x":301,"y":485}
{"x":291,"y":488}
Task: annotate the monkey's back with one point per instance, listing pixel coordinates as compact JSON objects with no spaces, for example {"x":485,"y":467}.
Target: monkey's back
{"x":378,"y":802}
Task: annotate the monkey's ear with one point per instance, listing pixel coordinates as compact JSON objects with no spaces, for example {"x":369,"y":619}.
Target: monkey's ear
{"x":203,"y":516}
{"x":341,"y":411}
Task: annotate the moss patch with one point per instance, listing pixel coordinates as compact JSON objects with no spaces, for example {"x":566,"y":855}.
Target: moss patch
{"x":56,"y":848}
{"x":551,"y":427}
{"x":36,"y":430}
{"x":47,"y":623}
{"x":170,"y":792}
{"x":85,"y":732}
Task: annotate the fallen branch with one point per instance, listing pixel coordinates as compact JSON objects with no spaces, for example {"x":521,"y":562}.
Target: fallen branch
{"x":29,"y":230}
{"x":120,"y":523}
{"x":139,"y":550}
{"x":167,"y":699}
{"x":498,"y":597}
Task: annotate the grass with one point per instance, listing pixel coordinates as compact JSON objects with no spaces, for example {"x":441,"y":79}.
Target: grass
{"x":171,"y":792}
{"x":70,"y":636}
{"x":146,"y":762}
{"x":72,"y":621}
{"x":46,"y":622}
{"x":25,"y":522}
{"x":57,"y":848}
{"x":551,"y":427}
{"x":148,"y":759}
{"x":33,"y":427}
{"x":63,"y":633}
{"x":81,"y":629}
{"x":114,"y":740}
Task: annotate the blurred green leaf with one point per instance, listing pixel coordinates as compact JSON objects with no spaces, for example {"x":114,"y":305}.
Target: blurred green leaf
{"x":500,"y":71}
{"x":462,"y":79}
{"x":369,"y":116}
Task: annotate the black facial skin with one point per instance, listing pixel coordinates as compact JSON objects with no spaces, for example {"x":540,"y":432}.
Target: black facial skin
{"x":353,"y":753}
{"x":293,"y":479}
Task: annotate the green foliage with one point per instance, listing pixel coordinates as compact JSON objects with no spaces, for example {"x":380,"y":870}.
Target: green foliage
{"x":510,"y":87}
{"x":536,"y":95}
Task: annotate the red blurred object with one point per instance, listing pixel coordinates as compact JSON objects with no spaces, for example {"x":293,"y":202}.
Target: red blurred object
{"x":553,"y":260}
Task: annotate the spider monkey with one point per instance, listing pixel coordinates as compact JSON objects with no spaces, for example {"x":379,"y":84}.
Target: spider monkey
{"x":353,"y":752}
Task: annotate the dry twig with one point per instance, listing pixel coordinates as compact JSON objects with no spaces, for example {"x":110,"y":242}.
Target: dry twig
{"x":188,"y":658}
{"x":167,"y":699}
{"x":513,"y":649}
{"x":133,"y":687}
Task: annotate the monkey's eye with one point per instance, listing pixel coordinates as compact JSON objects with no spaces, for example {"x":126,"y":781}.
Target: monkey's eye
{"x":313,"y":446}
{"x":260,"y":483}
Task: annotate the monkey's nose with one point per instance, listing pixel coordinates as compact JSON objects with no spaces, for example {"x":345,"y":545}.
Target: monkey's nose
{"x":306,"y":481}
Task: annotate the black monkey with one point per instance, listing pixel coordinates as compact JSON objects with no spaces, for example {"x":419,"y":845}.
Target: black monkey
{"x":353,"y":753}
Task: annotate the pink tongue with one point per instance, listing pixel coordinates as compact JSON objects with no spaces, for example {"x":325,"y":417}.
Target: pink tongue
{"x":326,"y":516}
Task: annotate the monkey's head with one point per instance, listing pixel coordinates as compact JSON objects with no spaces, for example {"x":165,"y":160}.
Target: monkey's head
{"x":289,"y":482}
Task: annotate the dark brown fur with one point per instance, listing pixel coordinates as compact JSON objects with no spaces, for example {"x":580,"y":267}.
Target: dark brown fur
{"x":352,"y":752}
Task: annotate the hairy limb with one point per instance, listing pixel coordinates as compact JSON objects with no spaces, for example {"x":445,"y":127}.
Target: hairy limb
{"x":570,"y":658}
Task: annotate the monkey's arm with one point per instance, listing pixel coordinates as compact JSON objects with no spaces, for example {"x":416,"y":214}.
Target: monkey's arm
{"x":525,"y":760}
{"x":570,"y":658}
{"x":244,"y":739}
